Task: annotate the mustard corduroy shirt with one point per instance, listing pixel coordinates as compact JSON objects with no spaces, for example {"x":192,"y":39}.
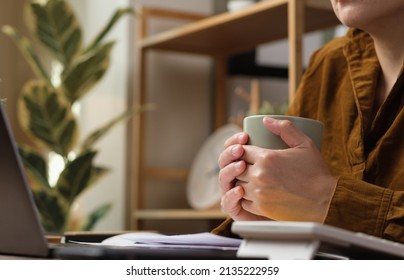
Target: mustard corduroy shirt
{"x":363,"y":146}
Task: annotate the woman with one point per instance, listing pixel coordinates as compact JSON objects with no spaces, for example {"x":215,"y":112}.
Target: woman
{"x":355,"y":86}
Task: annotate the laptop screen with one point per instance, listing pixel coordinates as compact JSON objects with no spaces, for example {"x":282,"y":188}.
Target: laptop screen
{"x":21,"y":232}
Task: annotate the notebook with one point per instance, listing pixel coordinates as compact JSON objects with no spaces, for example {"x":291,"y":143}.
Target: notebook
{"x":271,"y":239}
{"x":21,"y":232}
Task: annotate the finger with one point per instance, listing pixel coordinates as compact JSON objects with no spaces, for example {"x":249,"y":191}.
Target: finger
{"x":228,"y":174}
{"x":247,"y":205}
{"x":247,"y":193}
{"x":230,"y":202}
{"x":230,"y":154}
{"x":252,"y":153}
{"x":250,"y":207}
{"x":243,"y":178}
{"x":238,"y":138}
{"x":289,"y":133}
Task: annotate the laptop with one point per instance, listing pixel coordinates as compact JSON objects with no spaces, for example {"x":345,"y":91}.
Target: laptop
{"x":21,"y":232}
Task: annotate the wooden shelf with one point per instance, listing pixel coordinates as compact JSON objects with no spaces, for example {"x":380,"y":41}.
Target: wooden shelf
{"x":219,"y":37}
{"x":234,"y":32}
{"x":156,"y":214}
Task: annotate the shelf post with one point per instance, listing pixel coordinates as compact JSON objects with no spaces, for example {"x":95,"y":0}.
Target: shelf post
{"x":136,"y":126}
{"x":295,"y":36}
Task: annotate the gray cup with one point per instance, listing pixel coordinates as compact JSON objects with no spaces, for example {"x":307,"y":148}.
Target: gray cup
{"x":262,"y":137}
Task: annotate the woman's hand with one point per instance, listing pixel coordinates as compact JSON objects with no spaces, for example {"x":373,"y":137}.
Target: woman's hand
{"x":290,"y":184}
{"x":231,"y":166}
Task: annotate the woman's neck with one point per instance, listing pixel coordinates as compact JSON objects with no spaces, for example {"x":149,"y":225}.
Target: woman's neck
{"x":390,"y":52}
{"x":391,"y":58}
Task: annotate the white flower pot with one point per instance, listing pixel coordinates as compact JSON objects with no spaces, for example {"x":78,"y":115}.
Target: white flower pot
{"x":236,"y":5}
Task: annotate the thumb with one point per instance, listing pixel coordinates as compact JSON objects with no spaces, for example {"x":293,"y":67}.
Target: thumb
{"x":288,"y":132}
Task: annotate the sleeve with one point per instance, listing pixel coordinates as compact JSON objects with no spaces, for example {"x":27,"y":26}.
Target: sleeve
{"x":363,"y":207}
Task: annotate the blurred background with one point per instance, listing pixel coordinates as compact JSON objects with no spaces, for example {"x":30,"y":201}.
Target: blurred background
{"x":180,"y":85}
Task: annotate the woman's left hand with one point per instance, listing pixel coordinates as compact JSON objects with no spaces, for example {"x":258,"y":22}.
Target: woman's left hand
{"x":290,"y":184}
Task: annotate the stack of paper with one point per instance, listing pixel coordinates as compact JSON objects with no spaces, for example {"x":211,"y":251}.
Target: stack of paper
{"x":204,"y":240}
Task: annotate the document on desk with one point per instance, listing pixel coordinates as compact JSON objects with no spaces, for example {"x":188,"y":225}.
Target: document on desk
{"x":204,"y":240}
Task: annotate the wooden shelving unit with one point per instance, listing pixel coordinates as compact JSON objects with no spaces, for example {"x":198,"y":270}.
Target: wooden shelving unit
{"x":218,"y":37}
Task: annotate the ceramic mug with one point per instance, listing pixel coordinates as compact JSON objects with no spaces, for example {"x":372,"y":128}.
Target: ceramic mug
{"x":262,"y":137}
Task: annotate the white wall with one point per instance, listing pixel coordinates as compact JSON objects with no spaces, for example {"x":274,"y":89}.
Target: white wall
{"x":106,"y":100}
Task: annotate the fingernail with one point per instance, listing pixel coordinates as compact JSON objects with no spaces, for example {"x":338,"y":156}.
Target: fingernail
{"x":238,"y":165}
{"x":241,"y":137}
{"x":269,"y":120}
{"x":235,"y":151}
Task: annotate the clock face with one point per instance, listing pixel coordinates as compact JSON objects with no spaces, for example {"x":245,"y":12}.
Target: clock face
{"x":202,"y":186}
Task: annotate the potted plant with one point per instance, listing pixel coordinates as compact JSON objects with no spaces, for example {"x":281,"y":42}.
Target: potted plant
{"x":45,"y":108}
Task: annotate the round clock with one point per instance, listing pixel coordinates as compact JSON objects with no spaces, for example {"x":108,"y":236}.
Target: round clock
{"x":202,"y":186}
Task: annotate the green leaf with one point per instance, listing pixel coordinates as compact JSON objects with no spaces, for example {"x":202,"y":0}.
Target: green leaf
{"x":57,"y":28}
{"x":45,"y":115}
{"x":35,"y":166}
{"x":95,"y":216}
{"x":117,"y":15}
{"x":97,"y":173}
{"x":28,"y":52}
{"x":86,"y":71}
{"x":96,"y":135}
{"x":53,"y":210}
{"x":76,"y":176}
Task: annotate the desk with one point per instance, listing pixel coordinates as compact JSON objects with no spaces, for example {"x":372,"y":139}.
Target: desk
{"x":10,"y":257}
{"x":124,"y":253}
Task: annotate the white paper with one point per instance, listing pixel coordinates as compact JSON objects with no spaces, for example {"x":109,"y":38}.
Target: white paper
{"x":203,"y":240}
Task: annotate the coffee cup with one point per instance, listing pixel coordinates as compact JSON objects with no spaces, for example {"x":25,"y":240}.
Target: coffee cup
{"x":260,"y":136}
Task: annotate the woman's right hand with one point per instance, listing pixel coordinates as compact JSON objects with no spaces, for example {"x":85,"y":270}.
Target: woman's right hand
{"x":231,"y":166}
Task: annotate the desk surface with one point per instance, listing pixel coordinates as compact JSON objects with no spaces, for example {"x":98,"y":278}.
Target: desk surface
{"x":9,"y":257}
{"x":89,"y":252}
